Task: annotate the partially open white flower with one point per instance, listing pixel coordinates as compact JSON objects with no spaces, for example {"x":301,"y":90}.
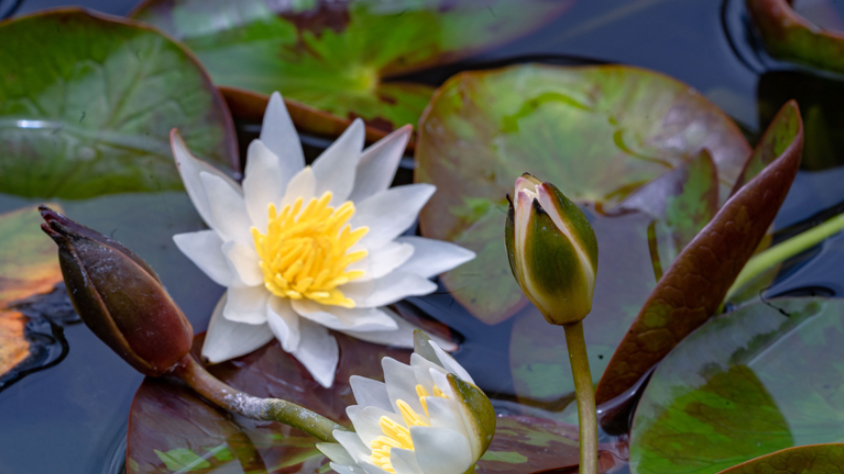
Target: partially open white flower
{"x":427,"y":418}
{"x":306,"y":248}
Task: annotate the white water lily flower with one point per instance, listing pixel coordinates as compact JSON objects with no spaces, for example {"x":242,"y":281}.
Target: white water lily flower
{"x":302,"y":249}
{"x":427,"y":418}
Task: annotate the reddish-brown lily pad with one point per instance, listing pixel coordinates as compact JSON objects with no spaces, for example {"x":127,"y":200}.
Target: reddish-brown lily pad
{"x":816,"y":459}
{"x":334,"y":56}
{"x":695,"y":285}
{"x":171,"y":429}
{"x":28,"y":267}
{"x":598,"y":133}
{"x":788,"y":35}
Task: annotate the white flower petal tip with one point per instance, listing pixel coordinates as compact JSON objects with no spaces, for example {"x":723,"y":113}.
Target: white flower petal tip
{"x":261,"y":244}
{"x":412,"y":425}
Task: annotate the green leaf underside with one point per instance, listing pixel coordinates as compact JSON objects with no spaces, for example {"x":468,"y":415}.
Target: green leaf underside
{"x":88,"y":109}
{"x":583,"y":129}
{"x":815,"y":459}
{"x":334,"y":55}
{"x":746,"y":384}
{"x":171,"y":428}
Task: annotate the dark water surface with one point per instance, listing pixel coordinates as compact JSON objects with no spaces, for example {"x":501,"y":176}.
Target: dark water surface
{"x":71,"y":418}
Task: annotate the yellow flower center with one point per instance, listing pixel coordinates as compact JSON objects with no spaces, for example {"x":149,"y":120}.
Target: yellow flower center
{"x":397,"y":436}
{"x":305,"y":252}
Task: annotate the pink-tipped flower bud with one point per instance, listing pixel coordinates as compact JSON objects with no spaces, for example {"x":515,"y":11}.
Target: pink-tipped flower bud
{"x":119,"y":297}
{"x":552,"y":250}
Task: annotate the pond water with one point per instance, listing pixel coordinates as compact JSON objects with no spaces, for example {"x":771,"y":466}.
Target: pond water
{"x":71,"y":418}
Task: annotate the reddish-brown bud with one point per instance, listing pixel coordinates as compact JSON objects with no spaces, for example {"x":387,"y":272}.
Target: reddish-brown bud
{"x":119,"y":297}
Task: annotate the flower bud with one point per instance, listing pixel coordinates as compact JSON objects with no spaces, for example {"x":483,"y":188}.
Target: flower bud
{"x":552,"y":250}
{"x":119,"y":297}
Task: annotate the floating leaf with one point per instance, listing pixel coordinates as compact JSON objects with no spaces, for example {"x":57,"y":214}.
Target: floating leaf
{"x":87,"y":103}
{"x":598,"y":133}
{"x":695,"y":286}
{"x":789,"y":36}
{"x":817,"y":459}
{"x":28,"y":267}
{"x":335,"y":55}
{"x":746,"y":384}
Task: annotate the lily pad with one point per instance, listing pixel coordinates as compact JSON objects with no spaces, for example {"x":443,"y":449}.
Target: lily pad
{"x":334,"y":56}
{"x":28,"y":267}
{"x":598,"y":133}
{"x":818,"y":459}
{"x":746,"y":384}
{"x":788,"y":35}
{"x":171,"y":429}
{"x":697,"y":282}
{"x":87,"y":103}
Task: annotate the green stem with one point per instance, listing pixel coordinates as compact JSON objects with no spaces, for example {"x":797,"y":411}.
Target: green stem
{"x":785,"y":250}
{"x":235,"y":401}
{"x":586,"y":414}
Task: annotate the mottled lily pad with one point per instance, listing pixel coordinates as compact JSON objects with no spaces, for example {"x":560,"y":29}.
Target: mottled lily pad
{"x":598,"y":133}
{"x":817,"y":459}
{"x":28,"y":267}
{"x":173,"y":430}
{"x":334,"y":56}
{"x":788,"y":35}
{"x":87,"y":103}
{"x":696,"y":284}
{"x":746,"y":384}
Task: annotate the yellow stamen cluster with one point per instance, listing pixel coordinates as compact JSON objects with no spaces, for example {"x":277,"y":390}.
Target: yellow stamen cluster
{"x":397,"y":436}
{"x":305,"y":252}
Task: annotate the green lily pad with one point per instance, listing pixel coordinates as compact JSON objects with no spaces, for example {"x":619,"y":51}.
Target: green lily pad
{"x":334,"y":56}
{"x":788,"y":35}
{"x":817,"y":459}
{"x":761,"y":379}
{"x":598,"y":133}
{"x":87,"y":103}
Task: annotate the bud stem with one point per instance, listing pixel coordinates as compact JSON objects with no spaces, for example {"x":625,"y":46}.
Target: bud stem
{"x":270,"y":409}
{"x":585,"y":392}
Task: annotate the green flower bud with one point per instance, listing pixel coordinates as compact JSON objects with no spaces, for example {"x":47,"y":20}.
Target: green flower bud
{"x":552,"y":250}
{"x":119,"y":297}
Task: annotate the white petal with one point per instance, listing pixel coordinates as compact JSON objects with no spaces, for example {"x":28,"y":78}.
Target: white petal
{"x":279,"y":135}
{"x":204,"y":248}
{"x":388,"y":289}
{"x":335,"y":317}
{"x":303,"y":185}
{"x":335,"y":168}
{"x":379,"y":163}
{"x":451,"y":365}
{"x":432,"y":257}
{"x":318,"y":352}
{"x":226,"y":339}
{"x":404,"y":461}
{"x":441,"y":379}
{"x":401,"y":337}
{"x":390,"y":213}
{"x":263,"y":183}
{"x":441,"y":450}
{"x":243,"y":261}
{"x":353,"y":444}
{"x":346,"y":468}
{"x":284,"y":323}
{"x":370,"y":392}
{"x":367,"y":421}
{"x":189,"y":169}
{"x":383,"y":260}
{"x":336,"y":453}
{"x":445,"y":413}
{"x":228,"y":210}
{"x":401,"y":384}
{"x":421,"y":367}
{"x":247,"y":304}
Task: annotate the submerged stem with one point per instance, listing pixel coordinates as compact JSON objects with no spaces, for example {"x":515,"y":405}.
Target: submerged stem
{"x":785,"y":250}
{"x":586,"y":414}
{"x":270,"y":409}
